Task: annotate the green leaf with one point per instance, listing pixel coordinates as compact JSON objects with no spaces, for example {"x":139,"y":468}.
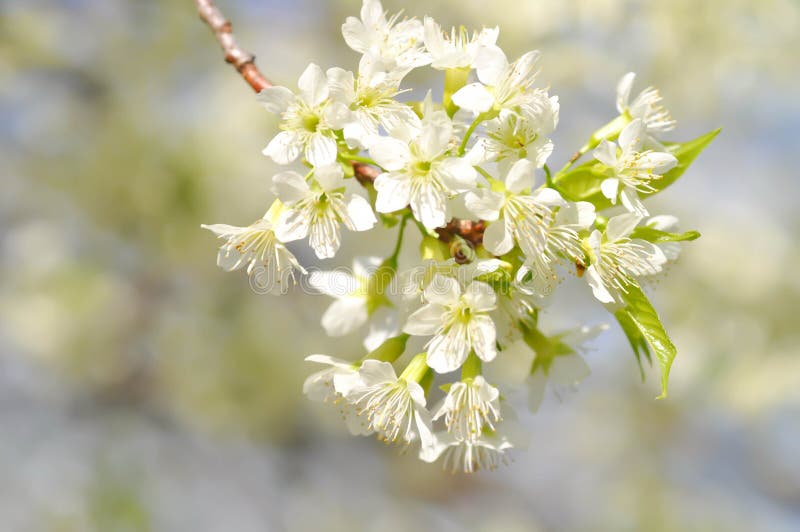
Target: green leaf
{"x":655,"y":235}
{"x":635,"y":338}
{"x":686,"y":153}
{"x":639,"y":315}
{"x":582,"y":183}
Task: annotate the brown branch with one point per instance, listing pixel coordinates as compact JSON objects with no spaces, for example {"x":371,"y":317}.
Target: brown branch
{"x":244,"y":62}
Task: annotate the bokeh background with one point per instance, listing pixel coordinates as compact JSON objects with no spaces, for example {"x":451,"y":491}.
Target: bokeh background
{"x":143,"y":389}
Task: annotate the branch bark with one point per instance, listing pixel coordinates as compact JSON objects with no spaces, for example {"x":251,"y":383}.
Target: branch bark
{"x":244,"y":63}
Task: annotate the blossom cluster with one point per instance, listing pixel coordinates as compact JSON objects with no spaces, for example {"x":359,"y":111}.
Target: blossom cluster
{"x":478,"y":155}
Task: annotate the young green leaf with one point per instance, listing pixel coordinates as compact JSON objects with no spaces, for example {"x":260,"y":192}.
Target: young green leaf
{"x":655,"y":235}
{"x":582,"y":183}
{"x":635,"y":338}
{"x":639,"y":313}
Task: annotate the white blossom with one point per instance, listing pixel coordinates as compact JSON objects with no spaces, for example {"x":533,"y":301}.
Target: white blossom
{"x":317,"y":210}
{"x":565,"y":368}
{"x":631,"y":169}
{"x":616,"y":259}
{"x":520,"y":135}
{"x":420,"y":172}
{"x":307,"y":120}
{"x":256,"y":246}
{"x":469,"y":406}
{"x":458,"y":320}
{"x":646,"y":107}
{"x":502,"y":85}
{"x":370,"y":99}
{"x":457,"y":50}
{"x":354,"y":303}
{"x":319,"y":387}
{"x":397,"y":46}
{"x":393,"y":407}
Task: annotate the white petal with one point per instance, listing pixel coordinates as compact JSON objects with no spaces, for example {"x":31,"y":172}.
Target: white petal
{"x":490,"y":62}
{"x":632,"y":136}
{"x":275,"y":99}
{"x":360,"y":213}
{"x":356,"y":35}
{"x":433,"y":140}
{"x":390,"y":153}
{"x":662,"y":222}
{"x":606,"y":153}
{"x":313,"y":85}
{"x":329,"y":177}
{"x":284,"y":148}
{"x":497,"y":239}
{"x":474,"y":97}
{"x":333,"y":283}
{"x":425,"y":321}
{"x":621,"y":226}
{"x":632,"y":203}
{"x":345,"y":316}
{"x":536,"y":384}
{"x":442,"y":290}
{"x":480,"y":297}
{"x":458,"y":174}
{"x":610,"y":188}
{"x":658,"y":162}
{"x":429,"y":206}
{"x":365,"y":267}
{"x":342,"y":84}
{"x":394,"y":192}
{"x":447,"y":352}
{"x":329,"y":360}
{"x":321,"y":150}
{"x":568,"y":370}
{"x":484,"y":204}
{"x":483,"y":336}
{"x":624,"y":91}
{"x":549,"y":196}
{"x":598,"y":289}
{"x":289,"y":187}
{"x":292,"y":225}
{"x":520,"y":176}
{"x":374,"y":372}
{"x":383,"y":324}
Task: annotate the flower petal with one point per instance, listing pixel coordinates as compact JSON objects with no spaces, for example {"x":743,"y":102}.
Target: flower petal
{"x":425,"y":321}
{"x":313,"y":85}
{"x":290,"y":187}
{"x":344,"y":316}
{"x":275,"y":99}
{"x":497,"y":238}
{"x":484,"y":204}
{"x":474,"y":97}
{"x":394,"y":192}
{"x":321,"y":150}
{"x":360,"y":214}
{"x":390,"y":153}
{"x":483,"y":337}
{"x":284,"y":147}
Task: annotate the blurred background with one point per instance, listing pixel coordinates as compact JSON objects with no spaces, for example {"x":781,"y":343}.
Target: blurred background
{"x":143,"y":389}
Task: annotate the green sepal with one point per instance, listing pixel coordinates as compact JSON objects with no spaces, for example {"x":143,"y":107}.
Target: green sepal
{"x":582,"y":183}
{"x":655,"y":235}
{"x":433,"y":249}
{"x":390,"y":350}
{"x":639,"y":315}
{"x":546,"y":348}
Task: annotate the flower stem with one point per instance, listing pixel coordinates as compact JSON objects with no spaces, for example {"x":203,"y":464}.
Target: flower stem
{"x":463,"y":147}
{"x":416,"y":369}
{"x":360,"y":159}
{"x":609,"y":131}
{"x":399,"y":245}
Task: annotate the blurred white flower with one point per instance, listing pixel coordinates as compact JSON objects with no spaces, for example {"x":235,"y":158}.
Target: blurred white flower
{"x":646,"y":107}
{"x":457,"y":50}
{"x":502,"y":85}
{"x":396,"y":46}
{"x":317,"y":211}
{"x":616,"y":260}
{"x":631,"y":169}
{"x":458,"y":320}
{"x":564,"y":368}
{"x":308,"y":120}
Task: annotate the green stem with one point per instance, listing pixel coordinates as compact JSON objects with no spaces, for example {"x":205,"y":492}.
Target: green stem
{"x":484,"y":173}
{"x":609,"y":131}
{"x":360,"y":159}
{"x":390,"y":350}
{"x":463,"y":147}
{"x":454,"y":79}
{"x":399,"y":244}
{"x":416,"y":369}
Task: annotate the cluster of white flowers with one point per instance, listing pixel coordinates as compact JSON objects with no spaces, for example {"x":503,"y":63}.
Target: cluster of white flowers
{"x":480,"y":153}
